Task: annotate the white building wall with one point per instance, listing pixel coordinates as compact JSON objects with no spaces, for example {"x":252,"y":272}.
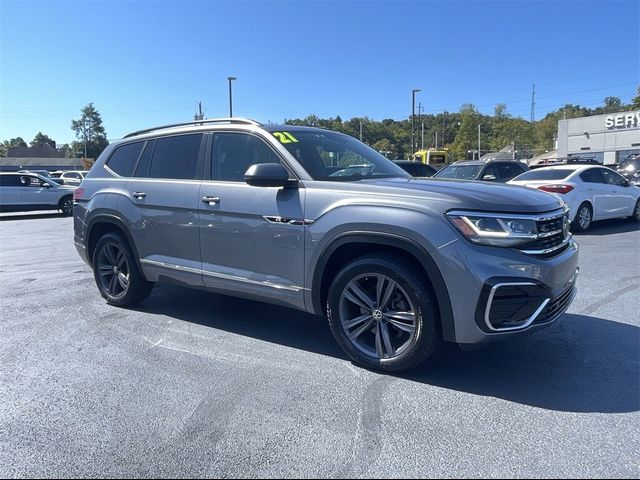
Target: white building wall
{"x":603,"y":135}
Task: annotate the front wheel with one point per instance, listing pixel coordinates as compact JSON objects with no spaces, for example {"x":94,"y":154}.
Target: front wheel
{"x":116,"y":272}
{"x":382,"y":313}
{"x":636,"y":213}
{"x":584,"y":217}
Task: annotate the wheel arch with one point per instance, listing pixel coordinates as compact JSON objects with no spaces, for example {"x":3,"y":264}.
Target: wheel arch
{"x":350,"y":245}
{"x":102,"y":224}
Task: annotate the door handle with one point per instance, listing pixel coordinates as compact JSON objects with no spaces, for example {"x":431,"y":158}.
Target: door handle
{"x":209,"y":200}
{"x":139,"y":195}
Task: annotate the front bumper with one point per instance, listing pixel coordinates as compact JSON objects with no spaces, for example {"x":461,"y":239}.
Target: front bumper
{"x":532,"y":291}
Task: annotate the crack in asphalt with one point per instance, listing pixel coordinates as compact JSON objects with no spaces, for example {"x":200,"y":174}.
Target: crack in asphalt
{"x":612,"y":297}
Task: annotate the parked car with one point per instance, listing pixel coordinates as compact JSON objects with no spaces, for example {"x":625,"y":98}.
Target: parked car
{"x":21,"y":192}
{"x":629,"y":168}
{"x":416,"y":169}
{"x":396,"y":264}
{"x":73,"y":177}
{"x":488,"y":170}
{"x":43,"y":173}
{"x":591,"y":192}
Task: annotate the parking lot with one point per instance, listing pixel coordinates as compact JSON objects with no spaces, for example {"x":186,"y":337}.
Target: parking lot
{"x":197,"y":384}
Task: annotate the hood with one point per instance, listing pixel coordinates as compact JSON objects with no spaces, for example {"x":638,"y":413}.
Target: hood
{"x":471,"y":195}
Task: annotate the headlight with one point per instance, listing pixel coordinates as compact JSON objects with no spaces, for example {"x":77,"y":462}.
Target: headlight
{"x":498,"y":230}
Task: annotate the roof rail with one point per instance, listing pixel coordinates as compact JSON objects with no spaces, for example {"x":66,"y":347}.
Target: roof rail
{"x":244,"y":121}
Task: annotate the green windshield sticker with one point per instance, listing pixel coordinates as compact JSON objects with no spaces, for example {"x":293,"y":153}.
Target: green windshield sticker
{"x":285,"y":137}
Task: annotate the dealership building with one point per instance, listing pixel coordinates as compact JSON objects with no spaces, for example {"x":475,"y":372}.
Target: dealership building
{"x":608,"y":138}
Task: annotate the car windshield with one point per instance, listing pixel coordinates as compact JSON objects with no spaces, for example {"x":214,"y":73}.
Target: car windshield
{"x":462,"y":172}
{"x":551,"y":174}
{"x":333,"y":156}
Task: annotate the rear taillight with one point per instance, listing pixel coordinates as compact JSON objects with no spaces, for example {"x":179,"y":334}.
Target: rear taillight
{"x":558,"y":188}
{"x":77,"y":194}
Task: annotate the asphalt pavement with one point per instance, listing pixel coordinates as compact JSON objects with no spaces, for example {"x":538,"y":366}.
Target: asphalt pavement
{"x":195,"y":384}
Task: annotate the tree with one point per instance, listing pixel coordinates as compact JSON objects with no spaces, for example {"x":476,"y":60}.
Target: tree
{"x":7,"y":144}
{"x":42,"y":139}
{"x":467,"y":136}
{"x":90,"y":131}
{"x":635,"y":102}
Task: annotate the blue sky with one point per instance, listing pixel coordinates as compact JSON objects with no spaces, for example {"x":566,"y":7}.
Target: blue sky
{"x":146,"y":63}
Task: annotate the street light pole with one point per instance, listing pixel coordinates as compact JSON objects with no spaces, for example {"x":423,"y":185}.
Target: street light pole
{"x":413,"y":117}
{"x":230,"y":97}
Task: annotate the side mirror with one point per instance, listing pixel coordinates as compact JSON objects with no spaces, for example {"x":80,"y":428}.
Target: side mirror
{"x":267,"y":175}
{"x":46,"y":185}
{"x":489,"y":178}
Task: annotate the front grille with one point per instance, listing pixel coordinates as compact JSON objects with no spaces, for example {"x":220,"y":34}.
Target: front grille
{"x":512,"y":305}
{"x":556,"y":306}
{"x":548,"y":239}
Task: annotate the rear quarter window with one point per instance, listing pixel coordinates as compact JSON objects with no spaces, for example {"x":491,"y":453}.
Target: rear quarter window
{"x":123,"y":160}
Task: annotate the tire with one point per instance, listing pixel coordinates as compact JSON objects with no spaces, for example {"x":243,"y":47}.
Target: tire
{"x":584,"y":218}
{"x":370,"y":336}
{"x":636,"y":213}
{"x":66,"y":205}
{"x":116,"y":272}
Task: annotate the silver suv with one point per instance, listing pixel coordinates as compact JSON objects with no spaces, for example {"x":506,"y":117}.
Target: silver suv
{"x":317,"y":221}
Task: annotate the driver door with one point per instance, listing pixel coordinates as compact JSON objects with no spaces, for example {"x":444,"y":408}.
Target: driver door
{"x":252,"y":238}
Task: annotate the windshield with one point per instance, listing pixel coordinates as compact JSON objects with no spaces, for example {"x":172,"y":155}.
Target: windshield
{"x":552,"y":174}
{"x":463,"y":172}
{"x":332,"y":156}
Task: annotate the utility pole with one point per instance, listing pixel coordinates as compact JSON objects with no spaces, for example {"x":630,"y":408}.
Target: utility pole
{"x":444,"y":114}
{"x":199,"y":115}
{"x":436,"y":139}
{"x":230,"y":97}
{"x":413,"y":119}
{"x":479,"y":154}
{"x":422,"y":137}
{"x":533,"y":103}
{"x":360,"y":129}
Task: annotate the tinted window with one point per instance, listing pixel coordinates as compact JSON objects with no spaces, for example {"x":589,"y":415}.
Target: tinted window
{"x":593,"y":175}
{"x":464,"y":172}
{"x":234,"y":153}
{"x":551,"y":174}
{"x":142,"y":170}
{"x":613,"y":178}
{"x":176,"y":157}
{"x":10,"y":181}
{"x":508,"y":170}
{"x":124,"y":158}
{"x":490,"y":170}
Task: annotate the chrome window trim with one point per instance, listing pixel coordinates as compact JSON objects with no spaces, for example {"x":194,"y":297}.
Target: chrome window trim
{"x":523,"y":325}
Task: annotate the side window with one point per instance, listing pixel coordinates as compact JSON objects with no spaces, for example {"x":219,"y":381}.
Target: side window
{"x":612,"y":178}
{"x":593,"y":175}
{"x":234,"y":153}
{"x":490,"y":170}
{"x":124,"y":158}
{"x":29,"y":181}
{"x":176,"y":157}
{"x":142,"y":170}
{"x":10,"y":181}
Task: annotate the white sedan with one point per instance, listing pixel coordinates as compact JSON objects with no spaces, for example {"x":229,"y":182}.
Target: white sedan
{"x":591,"y":192}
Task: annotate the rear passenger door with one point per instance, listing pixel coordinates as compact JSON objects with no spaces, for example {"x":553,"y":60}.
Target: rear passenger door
{"x":252,"y":237}
{"x":621,"y":199}
{"x":161,"y":204}
{"x":10,"y":188}
{"x":597,"y":192}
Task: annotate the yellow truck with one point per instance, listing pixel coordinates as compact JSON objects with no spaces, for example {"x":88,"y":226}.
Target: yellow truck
{"x":431,"y":156}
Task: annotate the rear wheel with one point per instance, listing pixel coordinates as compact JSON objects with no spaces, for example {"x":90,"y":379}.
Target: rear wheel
{"x":636,"y":213}
{"x":116,"y":272}
{"x":382,"y":313}
{"x":584,"y":217}
{"x":66,"y":205}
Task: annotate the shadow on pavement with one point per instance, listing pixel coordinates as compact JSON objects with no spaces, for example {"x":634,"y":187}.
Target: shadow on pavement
{"x":608,"y":227}
{"x":6,"y":217}
{"x":578,"y":364}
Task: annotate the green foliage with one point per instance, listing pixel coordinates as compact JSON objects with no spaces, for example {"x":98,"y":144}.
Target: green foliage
{"x":7,"y":144}
{"x":90,"y":131}
{"x":635,"y":102}
{"x":41,"y":139}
